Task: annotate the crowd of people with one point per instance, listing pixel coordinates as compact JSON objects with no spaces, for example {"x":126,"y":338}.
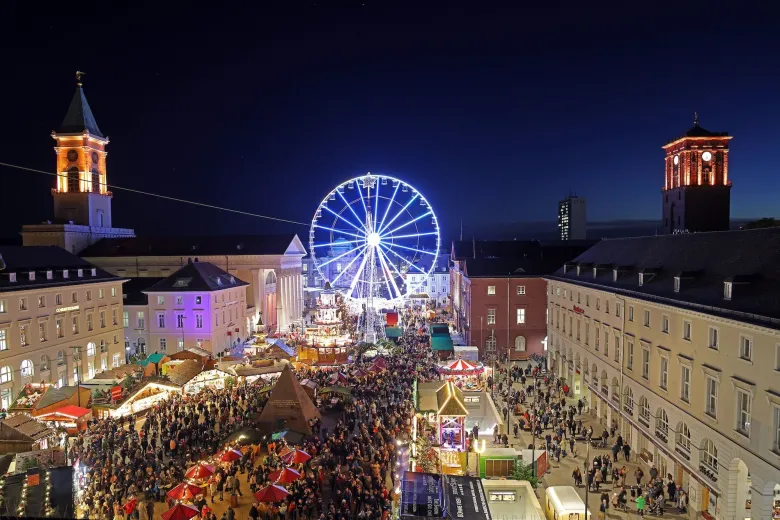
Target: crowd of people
{"x":351,"y":474}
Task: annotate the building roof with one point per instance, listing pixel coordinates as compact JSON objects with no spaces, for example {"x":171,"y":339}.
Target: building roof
{"x":79,"y":118}
{"x":182,"y":373}
{"x":288,"y":407}
{"x":698,"y":131}
{"x":22,"y":260}
{"x":55,"y":395}
{"x":27,"y":426}
{"x":534,"y":256}
{"x":449,"y":399}
{"x":71,"y":411}
{"x":133,"y":290}
{"x":197,"y":277}
{"x":749,"y":259}
{"x":193,"y":246}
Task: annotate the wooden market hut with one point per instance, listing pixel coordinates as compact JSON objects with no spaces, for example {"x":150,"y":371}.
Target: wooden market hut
{"x":452,"y":416}
{"x":22,"y":433}
{"x":55,"y":398}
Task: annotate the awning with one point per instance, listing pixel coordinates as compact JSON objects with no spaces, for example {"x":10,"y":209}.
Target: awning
{"x":441,"y":343}
{"x":69,"y":412}
{"x":393,"y":332}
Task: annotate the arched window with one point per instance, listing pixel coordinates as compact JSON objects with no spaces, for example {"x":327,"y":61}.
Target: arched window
{"x":90,"y":349}
{"x":61,"y":358}
{"x":73,"y":180}
{"x":595,"y":375}
{"x":628,"y":401}
{"x":490,"y":344}
{"x":683,"y":438}
{"x":44,"y":362}
{"x":90,"y":370}
{"x":95,"y":181}
{"x":270,"y":278}
{"x":709,"y":455}
{"x":615,"y":389}
{"x":6,"y":374}
{"x":27,"y":368}
{"x":604,"y":384}
{"x":520,"y":343}
{"x":662,"y":424}
{"x":644,"y":410}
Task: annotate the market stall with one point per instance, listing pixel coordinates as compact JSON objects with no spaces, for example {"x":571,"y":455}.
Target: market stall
{"x":137,"y":400}
{"x":73,"y":418}
{"x":213,"y":378}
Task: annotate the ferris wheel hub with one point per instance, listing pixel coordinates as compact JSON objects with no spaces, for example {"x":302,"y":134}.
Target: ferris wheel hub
{"x":373,"y":239}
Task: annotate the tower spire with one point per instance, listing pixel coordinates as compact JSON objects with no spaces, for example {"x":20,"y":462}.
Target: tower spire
{"x":695,"y":119}
{"x":79,"y":75}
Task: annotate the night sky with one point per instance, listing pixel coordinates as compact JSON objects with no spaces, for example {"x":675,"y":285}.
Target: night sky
{"x":494,"y":114}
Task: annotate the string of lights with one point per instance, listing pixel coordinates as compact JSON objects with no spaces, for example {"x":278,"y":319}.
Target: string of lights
{"x":168,"y":197}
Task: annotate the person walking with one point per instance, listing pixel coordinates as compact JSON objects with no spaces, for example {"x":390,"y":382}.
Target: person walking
{"x":640,"y":505}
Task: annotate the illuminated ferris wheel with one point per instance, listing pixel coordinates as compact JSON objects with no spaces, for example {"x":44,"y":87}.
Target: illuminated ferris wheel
{"x":368,"y":233}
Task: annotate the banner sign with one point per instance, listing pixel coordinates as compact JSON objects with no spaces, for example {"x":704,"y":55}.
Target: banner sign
{"x":465,"y":498}
{"x":421,"y":495}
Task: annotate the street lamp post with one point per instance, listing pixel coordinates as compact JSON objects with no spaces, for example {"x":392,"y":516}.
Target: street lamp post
{"x":77,"y":361}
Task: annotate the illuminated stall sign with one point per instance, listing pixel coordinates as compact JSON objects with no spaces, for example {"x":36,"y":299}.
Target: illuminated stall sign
{"x":421,"y":495}
{"x":465,"y":498}
{"x":430,"y":495}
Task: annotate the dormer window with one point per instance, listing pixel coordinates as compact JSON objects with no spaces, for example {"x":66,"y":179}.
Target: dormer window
{"x":219,"y":280}
{"x":49,"y":275}
{"x":595,"y":272}
{"x":641,"y":279}
{"x":94,"y":272}
{"x":80,"y":273}
{"x":65,"y":273}
{"x":12,"y":277}
{"x":578,"y":270}
{"x":727,"y":288}
{"x":614,"y":275}
{"x":676,"y":284}
{"x":32,"y":276}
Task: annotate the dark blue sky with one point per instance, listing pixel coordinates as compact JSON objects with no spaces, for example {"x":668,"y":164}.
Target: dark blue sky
{"x":494,"y":114}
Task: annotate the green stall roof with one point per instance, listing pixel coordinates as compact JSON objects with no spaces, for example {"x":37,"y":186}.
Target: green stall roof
{"x":441,"y":343}
{"x":393,"y":332}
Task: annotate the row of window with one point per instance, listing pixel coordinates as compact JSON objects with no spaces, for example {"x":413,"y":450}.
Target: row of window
{"x":491,"y":290}
{"x":58,"y":299}
{"x":31,"y":275}
{"x":25,"y":337}
{"x":27,"y":367}
{"x":519,"y":316}
{"x":233,"y":313}
{"x":179,"y":299}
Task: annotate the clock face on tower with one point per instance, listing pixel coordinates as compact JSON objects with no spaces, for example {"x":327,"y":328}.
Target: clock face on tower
{"x":676,"y":159}
{"x":706,"y":156}
{"x":95,"y":157}
{"x":73,"y":155}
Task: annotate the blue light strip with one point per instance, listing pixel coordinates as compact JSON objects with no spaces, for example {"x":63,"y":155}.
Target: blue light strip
{"x":404,"y":259}
{"x":358,"y":229}
{"x":342,"y":255}
{"x":382,"y":230}
{"x":410,"y":222}
{"x":352,"y":210}
{"x":390,"y":203}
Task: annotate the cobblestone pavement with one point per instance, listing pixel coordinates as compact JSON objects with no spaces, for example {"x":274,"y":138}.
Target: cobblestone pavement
{"x":559,"y":473}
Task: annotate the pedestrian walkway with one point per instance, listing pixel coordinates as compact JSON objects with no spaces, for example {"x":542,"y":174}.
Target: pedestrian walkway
{"x":560,"y":472}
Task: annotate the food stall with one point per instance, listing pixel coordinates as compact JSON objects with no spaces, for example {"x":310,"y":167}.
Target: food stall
{"x":137,"y":400}
{"x":213,"y":378}
{"x":73,"y":418}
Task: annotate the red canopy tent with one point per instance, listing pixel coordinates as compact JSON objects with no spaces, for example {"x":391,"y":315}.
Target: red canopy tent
{"x":295,"y":457}
{"x":184,"y":491}
{"x":462,"y":367}
{"x":180,"y":512}
{"x":230,"y":456}
{"x":284,"y":476}
{"x":272,"y":493}
{"x":200,"y":471}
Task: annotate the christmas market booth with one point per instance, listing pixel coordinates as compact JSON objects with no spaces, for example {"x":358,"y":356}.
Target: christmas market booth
{"x":22,"y":433}
{"x":27,"y":398}
{"x":72,"y":418}
{"x":135,"y":397}
{"x":213,"y":378}
{"x":56,"y":398}
{"x":465,"y":374}
{"x":441,"y":342}
{"x":441,"y":417}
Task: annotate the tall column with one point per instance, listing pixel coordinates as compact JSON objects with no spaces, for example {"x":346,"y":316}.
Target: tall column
{"x":280,"y":319}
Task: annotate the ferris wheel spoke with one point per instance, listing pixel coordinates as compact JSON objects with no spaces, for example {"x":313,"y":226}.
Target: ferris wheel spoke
{"x":385,"y":261}
{"x":362,"y":200}
{"x":342,"y":255}
{"x":416,"y":250}
{"x":404,"y":259}
{"x":362,"y":237}
{"x":341,"y":242}
{"x":357,"y":274}
{"x":382,"y":230}
{"x":352,"y":210}
{"x":389,"y":203}
{"x":415,"y":235}
{"x":376,"y":205}
{"x":359,"y":229}
{"x":347,"y":267}
{"x":410,"y":222}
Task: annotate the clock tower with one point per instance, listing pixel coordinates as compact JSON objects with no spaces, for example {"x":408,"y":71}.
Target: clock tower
{"x":82,"y":201}
{"x":697,"y":191}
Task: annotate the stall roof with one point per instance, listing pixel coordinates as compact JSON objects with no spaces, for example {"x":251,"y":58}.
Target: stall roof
{"x":28,"y":426}
{"x":282,"y":345}
{"x":336,"y":389}
{"x":55,"y":395}
{"x":243,"y":370}
{"x":71,"y":411}
{"x":426,"y":392}
{"x":152,"y":358}
{"x":185,"y":371}
{"x":449,"y":399}
{"x":393,"y":332}
{"x":441,"y":342}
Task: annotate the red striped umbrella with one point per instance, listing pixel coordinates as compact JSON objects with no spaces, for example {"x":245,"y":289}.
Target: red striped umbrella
{"x":272,"y":493}
{"x":200,"y":471}
{"x":295,"y":456}
{"x":180,"y":512}
{"x":184,"y":491}
{"x":230,"y":456}
{"x":284,"y":476}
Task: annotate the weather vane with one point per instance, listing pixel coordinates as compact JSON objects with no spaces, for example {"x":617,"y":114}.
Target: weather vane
{"x":695,"y":118}
{"x":79,"y":74}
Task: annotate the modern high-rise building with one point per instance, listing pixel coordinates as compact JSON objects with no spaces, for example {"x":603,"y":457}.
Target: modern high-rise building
{"x":572,"y":218}
{"x":697,"y":190}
